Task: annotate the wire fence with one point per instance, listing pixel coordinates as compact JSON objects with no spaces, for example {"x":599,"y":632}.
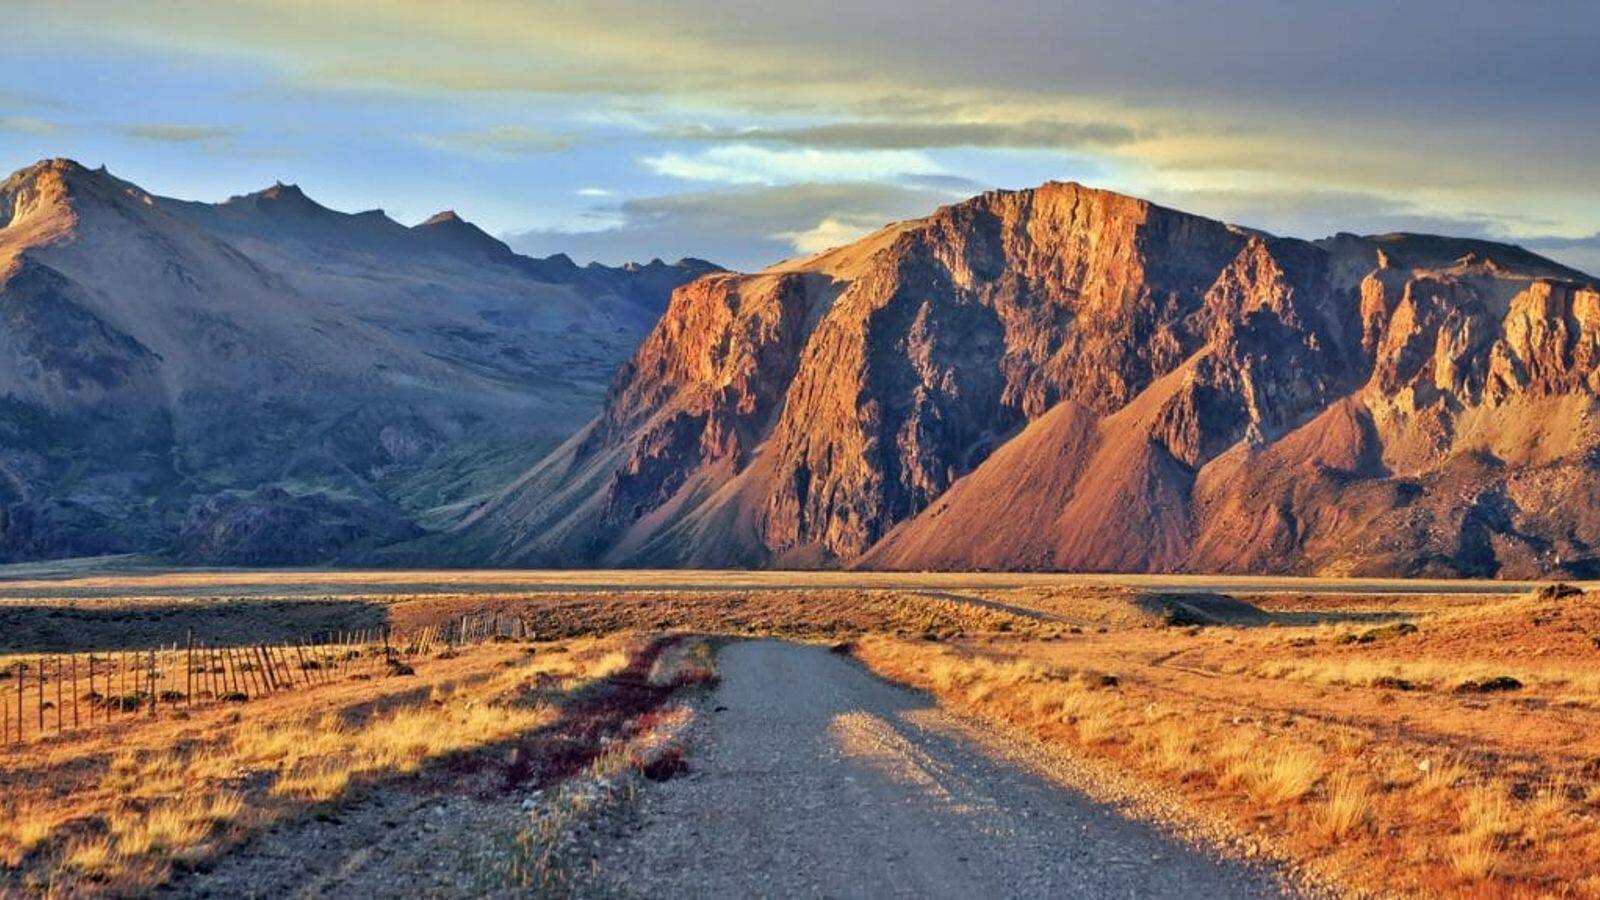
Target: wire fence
{"x":50,"y":694}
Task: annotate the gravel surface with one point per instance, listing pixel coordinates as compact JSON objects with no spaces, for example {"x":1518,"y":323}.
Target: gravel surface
{"x":811,"y":777}
{"x":397,"y":843}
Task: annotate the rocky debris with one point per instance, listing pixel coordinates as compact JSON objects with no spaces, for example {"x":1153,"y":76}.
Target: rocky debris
{"x":1558,"y":591}
{"x":1490,"y":685}
{"x":1382,"y":632}
{"x":1185,"y":610}
{"x":272,"y":526}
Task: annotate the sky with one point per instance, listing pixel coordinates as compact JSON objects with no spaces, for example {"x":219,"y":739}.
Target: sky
{"x":746,"y":131}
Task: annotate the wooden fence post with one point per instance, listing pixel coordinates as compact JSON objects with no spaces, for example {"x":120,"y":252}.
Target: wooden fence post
{"x":278,"y":670}
{"x":278,"y":661}
{"x":230,"y":670}
{"x":305,"y":672}
{"x":22,"y":683}
{"x":248,"y":669}
{"x":252,"y":671}
{"x":212,"y":665}
{"x":320,"y":653}
{"x":281,"y":667}
{"x":278,"y":676}
{"x":257,"y":677}
{"x":258,"y":668}
{"x":268,"y":675}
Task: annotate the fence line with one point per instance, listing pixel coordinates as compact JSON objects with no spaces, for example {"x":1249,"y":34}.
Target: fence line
{"x":41,"y":695}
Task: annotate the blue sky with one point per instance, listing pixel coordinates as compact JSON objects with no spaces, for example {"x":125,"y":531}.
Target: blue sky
{"x":624,"y":129}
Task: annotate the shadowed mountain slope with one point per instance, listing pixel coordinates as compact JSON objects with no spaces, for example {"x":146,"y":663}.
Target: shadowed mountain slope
{"x":267,"y":380}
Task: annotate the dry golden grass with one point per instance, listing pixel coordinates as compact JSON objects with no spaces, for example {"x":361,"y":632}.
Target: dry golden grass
{"x":1346,"y":808}
{"x":113,"y":812}
{"x":1360,"y":809}
{"x":1568,"y":682}
{"x":60,"y":626}
{"x":27,"y":827}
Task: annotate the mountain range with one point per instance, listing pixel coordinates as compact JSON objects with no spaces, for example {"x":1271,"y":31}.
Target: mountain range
{"x":1056,"y":378}
{"x":266,"y":380}
{"x":1067,"y":378}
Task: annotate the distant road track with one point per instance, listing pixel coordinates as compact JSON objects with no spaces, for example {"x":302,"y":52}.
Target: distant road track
{"x":79,"y":580}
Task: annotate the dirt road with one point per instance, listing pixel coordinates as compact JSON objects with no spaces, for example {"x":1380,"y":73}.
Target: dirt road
{"x":87,"y":580}
{"x":817,"y":779}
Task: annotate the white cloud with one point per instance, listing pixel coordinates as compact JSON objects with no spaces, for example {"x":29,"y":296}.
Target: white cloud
{"x":742,"y":227}
{"x":594,"y":192}
{"x":1031,"y":133}
{"x":178,"y":134}
{"x":28,"y":125}
{"x":752,"y":165}
{"x":833,"y":231}
{"x":503,"y":140}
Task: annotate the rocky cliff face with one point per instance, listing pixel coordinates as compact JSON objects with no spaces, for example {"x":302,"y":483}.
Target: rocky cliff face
{"x":1069,"y":378}
{"x":268,"y":380}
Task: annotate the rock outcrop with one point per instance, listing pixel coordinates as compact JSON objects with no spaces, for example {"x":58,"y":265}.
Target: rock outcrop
{"x":1070,"y":378}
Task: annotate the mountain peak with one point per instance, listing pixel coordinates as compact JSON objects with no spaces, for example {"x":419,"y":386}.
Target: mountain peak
{"x":58,"y":164}
{"x":280,"y":197}
{"x":61,"y":168}
{"x":280,"y":192}
{"x":446,"y":230}
{"x":52,"y":192}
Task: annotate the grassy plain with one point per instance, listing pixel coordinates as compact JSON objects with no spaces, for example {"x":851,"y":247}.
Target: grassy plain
{"x":1388,"y":737}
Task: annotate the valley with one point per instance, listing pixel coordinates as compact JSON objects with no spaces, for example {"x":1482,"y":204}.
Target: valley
{"x":694,"y":450}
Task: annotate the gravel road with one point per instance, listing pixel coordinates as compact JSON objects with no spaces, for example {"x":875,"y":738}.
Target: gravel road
{"x":818,"y":779}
